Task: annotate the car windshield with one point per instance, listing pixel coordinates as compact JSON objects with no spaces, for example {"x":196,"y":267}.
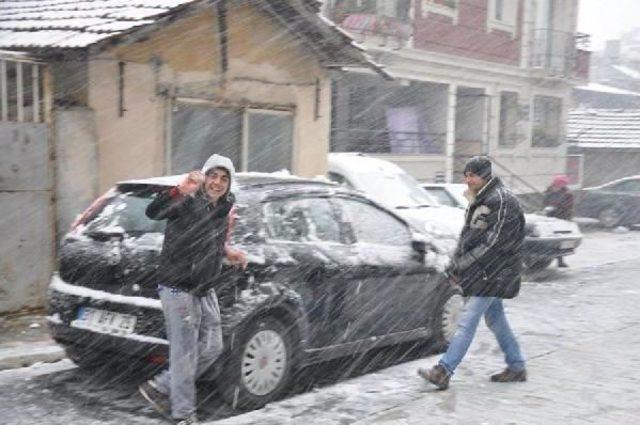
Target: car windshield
{"x":125,"y":213}
{"x":441,"y":195}
{"x":395,"y":189}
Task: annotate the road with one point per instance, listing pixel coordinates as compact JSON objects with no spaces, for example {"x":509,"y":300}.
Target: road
{"x":579,"y":328}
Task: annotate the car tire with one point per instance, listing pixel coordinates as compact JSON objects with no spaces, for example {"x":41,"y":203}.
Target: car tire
{"x":260,"y":366}
{"x":537,"y":264}
{"x":447,"y":316}
{"x":610,"y":217}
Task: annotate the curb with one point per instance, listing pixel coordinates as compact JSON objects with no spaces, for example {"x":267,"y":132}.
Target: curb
{"x":24,"y":356}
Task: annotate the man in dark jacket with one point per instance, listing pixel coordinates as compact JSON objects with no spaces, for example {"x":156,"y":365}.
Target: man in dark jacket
{"x":487,"y":265}
{"x":198,"y":213}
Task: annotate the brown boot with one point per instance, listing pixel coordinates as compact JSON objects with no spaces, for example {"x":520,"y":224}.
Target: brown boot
{"x":437,"y":375}
{"x":509,"y":375}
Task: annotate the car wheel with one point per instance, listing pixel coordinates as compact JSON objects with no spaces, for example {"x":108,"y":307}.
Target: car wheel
{"x":610,"y":217}
{"x":260,"y":365}
{"x":537,"y":264}
{"x":448,"y":314}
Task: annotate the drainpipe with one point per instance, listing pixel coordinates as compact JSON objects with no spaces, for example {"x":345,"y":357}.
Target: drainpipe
{"x":451,"y":132}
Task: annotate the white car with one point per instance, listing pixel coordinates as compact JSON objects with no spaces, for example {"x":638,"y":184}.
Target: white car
{"x":391,"y":186}
{"x":546,"y":237}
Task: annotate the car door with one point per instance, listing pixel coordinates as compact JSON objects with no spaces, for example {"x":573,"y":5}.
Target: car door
{"x":304,"y":245}
{"x":393,"y":290}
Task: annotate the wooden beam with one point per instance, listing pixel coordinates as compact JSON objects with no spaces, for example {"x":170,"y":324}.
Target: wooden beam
{"x":3,"y":90}
{"x":35,"y":86}
{"x":20,"y":94}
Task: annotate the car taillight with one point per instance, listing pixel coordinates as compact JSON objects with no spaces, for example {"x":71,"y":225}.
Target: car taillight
{"x":95,"y":207}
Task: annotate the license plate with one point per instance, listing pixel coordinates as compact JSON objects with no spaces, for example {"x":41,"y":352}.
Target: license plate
{"x":104,"y":321}
{"x":567,"y":245}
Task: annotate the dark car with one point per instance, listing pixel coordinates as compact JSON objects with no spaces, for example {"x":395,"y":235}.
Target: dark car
{"x":616,"y":203}
{"x":330,"y":274}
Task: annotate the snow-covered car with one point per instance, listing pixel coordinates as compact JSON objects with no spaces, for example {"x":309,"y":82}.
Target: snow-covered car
{"x":616,"y":203}
{"x":546,"y":237}
{"x":391,"y":186}
{"x":330,"y":274}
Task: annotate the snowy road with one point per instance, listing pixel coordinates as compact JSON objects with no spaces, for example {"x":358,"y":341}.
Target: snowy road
{"x":580,"y":329}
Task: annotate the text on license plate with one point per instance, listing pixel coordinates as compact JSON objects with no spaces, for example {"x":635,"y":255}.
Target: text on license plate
{"x":566,"y":245}
{"x":105,"y":321}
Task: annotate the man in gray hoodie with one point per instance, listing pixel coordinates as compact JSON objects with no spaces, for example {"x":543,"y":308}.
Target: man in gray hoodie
{"x":198,"y":213}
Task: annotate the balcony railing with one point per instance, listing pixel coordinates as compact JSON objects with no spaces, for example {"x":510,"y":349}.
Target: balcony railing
{"x":560,"y":54}
{"x":368,"y":23}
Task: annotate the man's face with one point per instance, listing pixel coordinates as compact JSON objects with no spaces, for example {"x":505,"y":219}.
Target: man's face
{"x":474,"y":181}
{"x":216,"y":183}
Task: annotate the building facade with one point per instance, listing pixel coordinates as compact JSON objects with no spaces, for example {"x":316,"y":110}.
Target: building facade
{"x":472,"y":77}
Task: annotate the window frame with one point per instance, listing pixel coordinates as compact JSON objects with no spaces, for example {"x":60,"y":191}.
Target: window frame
{"x":243,"y":142}
{"x":559,"y":121}
{"x":343,"y":221}
{"x":509,"y":20}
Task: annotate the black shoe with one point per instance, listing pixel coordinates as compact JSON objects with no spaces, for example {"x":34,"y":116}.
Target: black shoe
{"x":509,"y":375}
{"x":157,"y":399}
{"x":437,"y":375}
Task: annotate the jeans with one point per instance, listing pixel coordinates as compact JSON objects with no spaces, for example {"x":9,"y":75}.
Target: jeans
{"x":496,"y":320}
{"x":195,"y":342}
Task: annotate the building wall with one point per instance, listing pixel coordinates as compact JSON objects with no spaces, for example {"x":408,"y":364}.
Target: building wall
{"x":467,"y":34}
{"x":76,"y":152}
{"x":267,"y":68}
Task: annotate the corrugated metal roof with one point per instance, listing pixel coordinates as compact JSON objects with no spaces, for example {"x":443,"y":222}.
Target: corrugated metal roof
{"x":604,"y":128}
{"x":63,"y":24}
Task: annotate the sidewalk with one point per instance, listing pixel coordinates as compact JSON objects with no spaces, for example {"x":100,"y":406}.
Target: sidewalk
{"x":24,"y":341}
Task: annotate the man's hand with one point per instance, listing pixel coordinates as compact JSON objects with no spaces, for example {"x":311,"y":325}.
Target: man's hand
{"x":191,"y":183}
{"x":236,"y":257}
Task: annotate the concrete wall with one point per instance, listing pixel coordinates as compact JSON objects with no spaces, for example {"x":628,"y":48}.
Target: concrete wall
{"x":26,"y":216}
{"x":267,"y":67}
{"x":76,"y":164}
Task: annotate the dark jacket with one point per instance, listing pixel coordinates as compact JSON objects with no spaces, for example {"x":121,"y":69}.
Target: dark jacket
{"x":488,"y":259}
{"x":194,"y":239}
{"x":561,"y":201}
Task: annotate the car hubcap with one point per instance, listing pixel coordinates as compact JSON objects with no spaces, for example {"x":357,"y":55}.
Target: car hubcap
{"x":450,"y":314}
{"x":264,"y":362}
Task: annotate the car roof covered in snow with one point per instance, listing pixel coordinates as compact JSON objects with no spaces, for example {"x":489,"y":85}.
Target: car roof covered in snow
{"x":243,"y":180}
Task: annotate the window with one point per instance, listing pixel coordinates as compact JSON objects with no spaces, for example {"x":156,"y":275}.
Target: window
{"x":21,"y":89}
{"x":302,"y":220}
{"x":508,"y":119}
{"x":441,"y":7}
{"x":547,"y":118}
{"x":373,"y":225}
{"x":126,"y":212}
{"x":627,"y":186}
{"x":442,"y":196}
{"x":254,"y":139}
{"x":502,"y":15}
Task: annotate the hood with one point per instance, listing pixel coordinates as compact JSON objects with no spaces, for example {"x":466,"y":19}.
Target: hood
{"x":219,"y":161}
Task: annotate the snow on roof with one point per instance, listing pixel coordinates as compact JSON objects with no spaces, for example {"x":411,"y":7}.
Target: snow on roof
{"x":601,"y":88}
{"x":75,"y":24}
{"x":64,"y":24}
{"x":629,"y":72}
{"x":604,"y":128}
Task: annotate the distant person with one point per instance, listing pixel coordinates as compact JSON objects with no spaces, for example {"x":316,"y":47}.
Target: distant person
{"x":487,"y":265}
{"x":558,"y":202}
{"x":198,"y":212}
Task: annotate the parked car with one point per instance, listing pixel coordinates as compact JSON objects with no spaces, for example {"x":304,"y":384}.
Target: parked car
{"x":391,"y":186}
{"x":546,"y":237}
{"x":331,"y":273}
{"x":616,"y":203}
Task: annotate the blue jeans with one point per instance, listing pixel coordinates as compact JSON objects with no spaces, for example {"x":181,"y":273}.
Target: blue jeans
{"x":496,"y":320}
